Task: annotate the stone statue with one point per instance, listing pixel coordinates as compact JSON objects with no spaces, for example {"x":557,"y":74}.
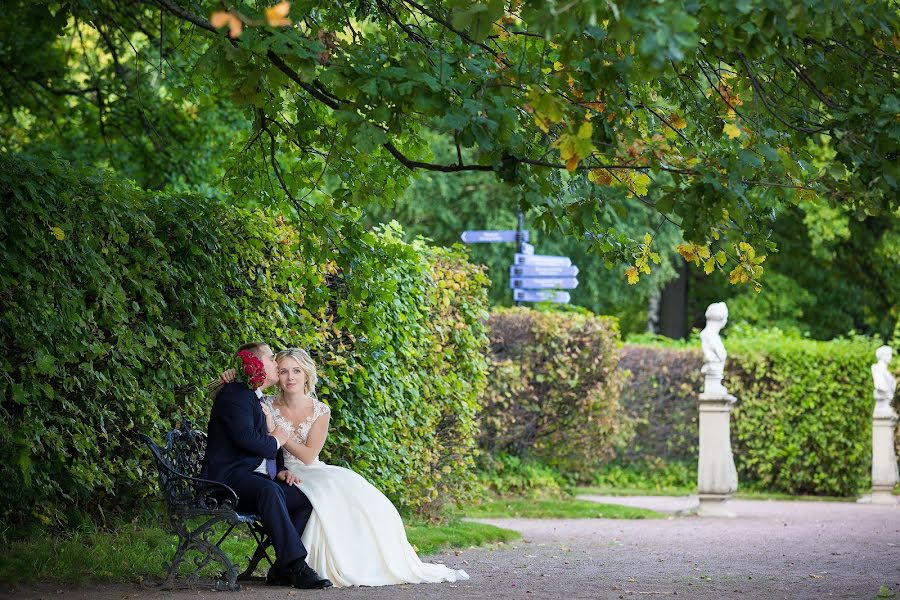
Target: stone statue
{"x":714,"y":350}
{"x":885,"y":383}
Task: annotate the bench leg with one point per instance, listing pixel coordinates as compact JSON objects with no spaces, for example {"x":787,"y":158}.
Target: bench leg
{"x":198,"y":540}
{"x":260,"y":554}
{"x":262,"y":546}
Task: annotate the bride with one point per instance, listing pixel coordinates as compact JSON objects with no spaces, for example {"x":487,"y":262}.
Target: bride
{"x":355,"y":535}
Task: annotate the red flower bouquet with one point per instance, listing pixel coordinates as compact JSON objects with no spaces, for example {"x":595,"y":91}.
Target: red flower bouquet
{"x":250,"y":369}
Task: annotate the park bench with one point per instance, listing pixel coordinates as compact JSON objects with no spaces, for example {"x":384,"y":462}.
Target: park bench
{"x":199,"y":510}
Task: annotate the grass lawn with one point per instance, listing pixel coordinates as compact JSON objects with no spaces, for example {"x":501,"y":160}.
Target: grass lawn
{"x":132,"y":553}
{"x":561,"y":508}
{"x":429,"y":539}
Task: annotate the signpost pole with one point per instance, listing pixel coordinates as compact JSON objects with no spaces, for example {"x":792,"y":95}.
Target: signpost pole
{"x":520,"y":239}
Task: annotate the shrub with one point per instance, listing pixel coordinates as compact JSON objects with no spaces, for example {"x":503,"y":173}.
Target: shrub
{"x":505,"y":475}
{"x":660,"y":400}
{"x":554,"y":388}
{"x":117,"y":304}
{"x":802,"y":423}
{"x":649,"y":474}
{"x":804,"y":418}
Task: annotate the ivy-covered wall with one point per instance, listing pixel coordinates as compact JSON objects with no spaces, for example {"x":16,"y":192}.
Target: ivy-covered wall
{"x":117,"y":305}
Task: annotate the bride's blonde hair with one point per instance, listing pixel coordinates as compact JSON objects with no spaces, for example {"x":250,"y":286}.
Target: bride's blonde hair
{"x":306,"y":363}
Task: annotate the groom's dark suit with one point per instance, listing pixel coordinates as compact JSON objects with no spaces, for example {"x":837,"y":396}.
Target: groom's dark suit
{"x":237,"y":442}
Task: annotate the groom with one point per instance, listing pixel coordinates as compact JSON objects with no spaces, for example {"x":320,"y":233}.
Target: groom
{"x":243,"y":454}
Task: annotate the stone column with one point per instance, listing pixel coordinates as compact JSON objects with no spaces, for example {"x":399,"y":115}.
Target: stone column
{"x":716,"y":474}
{"x":884,"y":459}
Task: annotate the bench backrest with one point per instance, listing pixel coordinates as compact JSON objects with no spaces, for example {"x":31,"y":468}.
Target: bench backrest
{"x":179,"y":463}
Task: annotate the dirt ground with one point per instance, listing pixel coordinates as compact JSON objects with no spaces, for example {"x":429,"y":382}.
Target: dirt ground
{"x":772,"y":550}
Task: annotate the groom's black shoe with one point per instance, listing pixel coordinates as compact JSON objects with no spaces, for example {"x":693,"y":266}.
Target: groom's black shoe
{"x":305,"y":578}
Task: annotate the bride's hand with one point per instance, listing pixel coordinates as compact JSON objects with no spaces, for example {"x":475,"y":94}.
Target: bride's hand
{"x":288,"y":477}
{"x":270,"y":419}
{"x":228,"y":376}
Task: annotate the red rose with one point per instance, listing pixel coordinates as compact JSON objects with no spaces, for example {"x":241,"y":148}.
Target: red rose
{"x":253,"y":368}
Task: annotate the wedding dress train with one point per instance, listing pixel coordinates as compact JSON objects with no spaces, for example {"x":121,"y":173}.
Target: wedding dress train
{"x":355,"y":535}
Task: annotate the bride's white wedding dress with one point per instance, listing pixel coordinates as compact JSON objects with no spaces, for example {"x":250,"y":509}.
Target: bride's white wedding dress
{"x":355,"y":535}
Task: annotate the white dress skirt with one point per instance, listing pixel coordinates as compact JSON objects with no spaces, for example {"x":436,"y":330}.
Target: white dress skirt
{"x":355,"y":536}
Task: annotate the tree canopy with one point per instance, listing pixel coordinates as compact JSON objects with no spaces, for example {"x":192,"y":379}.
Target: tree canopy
{"x":714,"y":114}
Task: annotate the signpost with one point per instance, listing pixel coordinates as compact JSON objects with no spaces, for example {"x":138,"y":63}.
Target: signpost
{"x":541,"y":271}
{"x":487,"y":236}
{"x":543,"y":260}
{"x":543,"y":283}
{"x":541,"y":296}
{"x":532,"y":277}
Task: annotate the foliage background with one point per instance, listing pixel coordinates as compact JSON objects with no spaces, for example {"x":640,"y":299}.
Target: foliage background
{"x":440,"y":206}
{"x":118,"y":303}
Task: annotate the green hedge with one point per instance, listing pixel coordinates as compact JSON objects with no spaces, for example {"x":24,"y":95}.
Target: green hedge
{"x":118,"y":304}
{"x":802,"y":423}
{"x":554,"y":388}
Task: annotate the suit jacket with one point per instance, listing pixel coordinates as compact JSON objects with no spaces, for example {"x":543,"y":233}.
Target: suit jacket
{"x":237,"y":437}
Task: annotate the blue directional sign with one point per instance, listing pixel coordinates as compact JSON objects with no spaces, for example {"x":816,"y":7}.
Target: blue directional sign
{"x":539,"y":271}
{"x":541,"y":296}
{"x":482,"y":236}
{"x":544,"y":283}
{"x":527,"y":248}
{"x":542,"y":260}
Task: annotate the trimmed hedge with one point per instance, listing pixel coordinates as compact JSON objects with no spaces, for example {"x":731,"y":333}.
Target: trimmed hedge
{"x":660,"y":397}
{"x":118,"y":304}
{"x":802,"y":423}
{"x":554,"y":388}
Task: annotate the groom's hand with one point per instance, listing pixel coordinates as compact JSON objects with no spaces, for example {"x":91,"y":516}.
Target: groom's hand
{"x":288,"y":477}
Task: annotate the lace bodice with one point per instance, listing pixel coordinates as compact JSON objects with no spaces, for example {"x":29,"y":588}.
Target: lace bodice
{"x":301,"y":432}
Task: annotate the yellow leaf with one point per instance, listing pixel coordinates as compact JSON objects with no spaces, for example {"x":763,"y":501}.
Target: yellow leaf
{"x":277,"y":15}
{"x":709,"y":265}
{"x":640,"y":182}
{"x":732,"y":130}
{"x":572,"y":163}
{"x":632,"y":274}
{"x":688,"y":251}
{"x":222,"y":18}
{"x":58,"y":233}
{"x":647,"y":238}
{"x":720,"y":257}
{"x":558,"y":66}
{"x":735,"y":275}
{"x":677,"y":121}
{"x":585,"y":131}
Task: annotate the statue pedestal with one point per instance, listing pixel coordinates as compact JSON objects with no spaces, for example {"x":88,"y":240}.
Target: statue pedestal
{"x":716,"y":474}
{"x":884,"y":459}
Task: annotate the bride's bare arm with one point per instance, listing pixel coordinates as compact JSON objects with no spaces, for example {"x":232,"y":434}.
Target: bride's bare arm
{"x":314,"y":441}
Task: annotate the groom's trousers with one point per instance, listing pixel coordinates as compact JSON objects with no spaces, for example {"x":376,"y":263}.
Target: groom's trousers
{"x":284,"y":510}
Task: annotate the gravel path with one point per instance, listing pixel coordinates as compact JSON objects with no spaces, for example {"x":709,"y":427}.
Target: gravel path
{"x":771,"y":550}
